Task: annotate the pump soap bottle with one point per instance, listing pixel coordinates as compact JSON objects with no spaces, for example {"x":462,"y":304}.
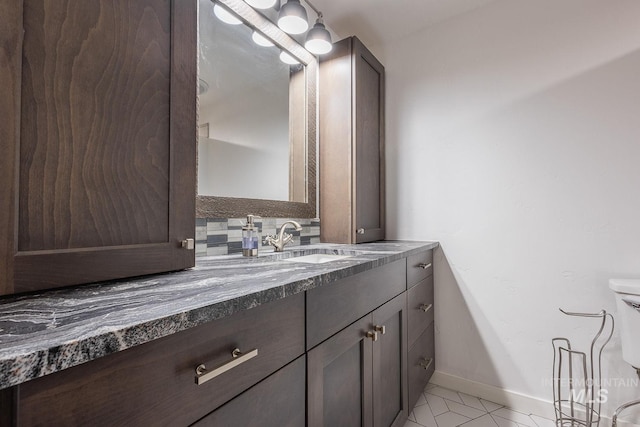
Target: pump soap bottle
{"x":250,"y":238}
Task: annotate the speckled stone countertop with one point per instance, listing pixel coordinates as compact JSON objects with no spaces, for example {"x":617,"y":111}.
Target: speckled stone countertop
{"x":50,"y":331}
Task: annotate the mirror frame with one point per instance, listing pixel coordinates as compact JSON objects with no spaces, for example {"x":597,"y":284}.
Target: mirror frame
{"x":231,"y":207}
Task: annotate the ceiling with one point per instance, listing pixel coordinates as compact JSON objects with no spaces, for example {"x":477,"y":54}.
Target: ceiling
{"x":382,"y":21}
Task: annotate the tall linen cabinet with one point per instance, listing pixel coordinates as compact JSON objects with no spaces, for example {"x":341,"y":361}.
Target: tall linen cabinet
{"x":352,"y":116}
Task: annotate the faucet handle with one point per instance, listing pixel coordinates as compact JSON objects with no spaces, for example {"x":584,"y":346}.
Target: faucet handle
{"x":286,"y":238}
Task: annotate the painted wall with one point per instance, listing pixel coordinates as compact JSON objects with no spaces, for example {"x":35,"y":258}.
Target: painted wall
{"x":513,"y":138}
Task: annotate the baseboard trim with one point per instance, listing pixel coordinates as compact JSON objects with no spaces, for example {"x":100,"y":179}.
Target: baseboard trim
{"x":514,"y":400}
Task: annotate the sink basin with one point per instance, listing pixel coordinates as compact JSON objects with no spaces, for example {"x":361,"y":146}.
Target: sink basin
{"x":317,"y":258}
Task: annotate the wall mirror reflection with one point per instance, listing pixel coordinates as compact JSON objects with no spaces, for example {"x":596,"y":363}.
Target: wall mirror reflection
{"x":256,"y":116}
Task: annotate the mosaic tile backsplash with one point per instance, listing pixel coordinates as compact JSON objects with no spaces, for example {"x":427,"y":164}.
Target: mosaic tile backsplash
{"x":222,"y":236}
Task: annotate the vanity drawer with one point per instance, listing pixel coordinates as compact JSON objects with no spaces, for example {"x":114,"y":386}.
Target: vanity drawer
{"x":279,"y":401}
{"x":419,"y":267}
{"x":154,"y":383}
{"x":333,"y":307}
{"x":420,"y":304}
{"x":421,"y":364}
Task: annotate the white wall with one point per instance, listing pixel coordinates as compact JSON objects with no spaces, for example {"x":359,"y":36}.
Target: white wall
{"x":513,"y":138}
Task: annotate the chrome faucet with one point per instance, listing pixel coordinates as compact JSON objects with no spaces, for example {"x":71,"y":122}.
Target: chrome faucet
{"x":283,"y":238}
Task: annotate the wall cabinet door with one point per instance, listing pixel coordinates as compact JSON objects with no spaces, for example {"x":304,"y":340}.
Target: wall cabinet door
{"x":99,"y":159}
{"x":352,"y":118}
{"x":358,"y":376}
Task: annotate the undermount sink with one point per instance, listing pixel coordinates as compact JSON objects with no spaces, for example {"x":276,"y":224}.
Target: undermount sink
{"x":317,"y":258}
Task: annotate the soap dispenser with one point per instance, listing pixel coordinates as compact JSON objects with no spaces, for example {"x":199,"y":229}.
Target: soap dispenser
{"x":250,"y":237}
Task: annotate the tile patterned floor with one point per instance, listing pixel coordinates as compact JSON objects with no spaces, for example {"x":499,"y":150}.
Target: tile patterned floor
{"x":440,"y":407}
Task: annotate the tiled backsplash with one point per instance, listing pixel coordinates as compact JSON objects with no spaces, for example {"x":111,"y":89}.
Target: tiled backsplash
{"x":222,"y":236}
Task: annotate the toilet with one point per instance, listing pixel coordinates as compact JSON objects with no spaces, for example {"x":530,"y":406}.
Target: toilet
{"x":628,"y":303}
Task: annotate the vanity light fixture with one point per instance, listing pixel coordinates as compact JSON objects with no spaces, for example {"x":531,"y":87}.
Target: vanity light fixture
{"x":292,"y":18}
{"x":318,"y":39}
{"x":261,"y":40}
{"x":225,"y":16}
{"x":261,"y":4}
{"x":288,"y":59}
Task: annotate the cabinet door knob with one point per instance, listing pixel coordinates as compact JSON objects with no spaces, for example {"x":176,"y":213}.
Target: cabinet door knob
{"x":188,"y":244}
{"x":424,"y":266}
{"x":382,"y":329}
{"x":238,"y":358}
{"x":360,"y":231}
{"x":425,"y":307}
{"x":426,"y":363}
{"x":373,"y":335}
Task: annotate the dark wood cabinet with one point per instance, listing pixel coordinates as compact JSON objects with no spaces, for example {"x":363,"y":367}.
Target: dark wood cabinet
{"x":358,"y":376}
{"x":352,"y":128}
{"x":154,"y":383}
{"x":331,"y":308}
{"x":370,"y":352}
{"x":99,"y":140}
{"x":277,"y":401}
{"x":420,"y":308}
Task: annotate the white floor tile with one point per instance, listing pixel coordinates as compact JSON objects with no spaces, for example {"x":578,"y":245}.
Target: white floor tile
{"x":503,"y":422}
{"x":472,"y":401}
{"x":484,"y":421}
{"x":490,"y":405}
{"x":446,"y":393}
{"x":421,"y":400}
{"x":424,"y":416}
{"x":437,"y":405}
{"x":429,"y":387}
{"x":410,"y":423}
{"x":451,"y":419}
{"x":467,"y":411}
{"x":542,"y":422}
{"x":516,"y":417}
{"x":412,"y":416}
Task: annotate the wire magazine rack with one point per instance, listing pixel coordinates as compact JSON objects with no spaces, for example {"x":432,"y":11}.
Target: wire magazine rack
{"x":577,"y":376}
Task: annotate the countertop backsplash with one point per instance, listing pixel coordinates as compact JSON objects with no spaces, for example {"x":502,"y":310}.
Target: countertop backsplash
{"x":223,"y":236}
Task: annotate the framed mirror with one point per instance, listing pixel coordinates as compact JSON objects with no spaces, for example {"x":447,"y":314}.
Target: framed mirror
{"x":257,"y":118}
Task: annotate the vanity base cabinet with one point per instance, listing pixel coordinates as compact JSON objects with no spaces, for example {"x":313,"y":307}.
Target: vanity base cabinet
{"x":340,"y":379}
{"x":390,"y":390}
{"x":358,"y":376}
{"x":155,"y":383}
{"x":420,"y":307}
{"x":421,"y":364}
{"x":279,"y":401}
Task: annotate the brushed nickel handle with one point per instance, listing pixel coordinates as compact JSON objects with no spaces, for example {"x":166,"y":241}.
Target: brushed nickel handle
{"x":203,"y":375}
{"x":426,"y":363}
{"x":424,"y":266}
{"x":360,"y":231}
{"x":425,"y":307}
{"x":382,"y":329}
{"x":188,"y":244}
{"x":373,"y":335}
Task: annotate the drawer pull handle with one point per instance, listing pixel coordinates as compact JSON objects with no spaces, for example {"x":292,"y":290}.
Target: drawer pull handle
{"x":426,"y":363}
{"x":373,"y":335}
{"x":382,"y":329}
{"x":424,"y":266}
{"x":425,"y":307}
{"x":203,"y":375}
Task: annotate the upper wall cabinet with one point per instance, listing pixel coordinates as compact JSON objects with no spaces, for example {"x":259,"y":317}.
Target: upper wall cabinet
{"x":352,"y":202}
{"x":98,"y":140}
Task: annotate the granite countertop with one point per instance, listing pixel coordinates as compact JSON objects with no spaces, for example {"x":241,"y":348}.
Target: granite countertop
{"x":50,"y":331}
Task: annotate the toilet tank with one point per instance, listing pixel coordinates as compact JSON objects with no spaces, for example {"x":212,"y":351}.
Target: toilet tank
{"x":627,"y":292}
